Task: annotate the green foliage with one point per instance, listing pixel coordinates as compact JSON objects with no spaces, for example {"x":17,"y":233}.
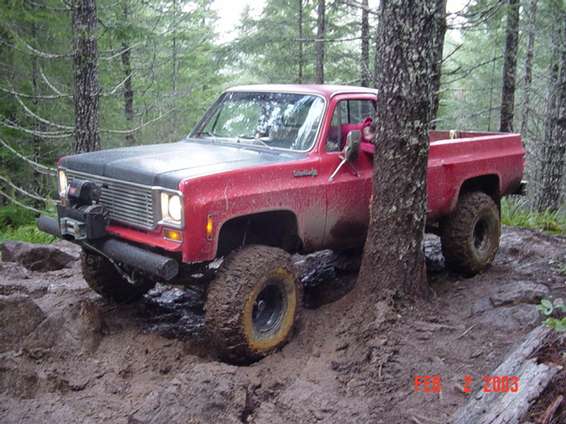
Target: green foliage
{"x":15,"y":216}
{"x":28,"y":233}
{"x":17,"y":223}
{"x":555,"y":313}
{"x":268,"y":48}
{"x":517,"y":214}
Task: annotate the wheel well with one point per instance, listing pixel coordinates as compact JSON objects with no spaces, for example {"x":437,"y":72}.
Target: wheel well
{"x":488,"y":184}
{"x":274,"y":228}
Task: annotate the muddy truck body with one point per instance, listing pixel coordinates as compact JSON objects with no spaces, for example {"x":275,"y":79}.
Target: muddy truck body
{"x":268,"y":171}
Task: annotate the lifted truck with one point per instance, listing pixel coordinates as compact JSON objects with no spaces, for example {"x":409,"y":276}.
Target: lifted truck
{"x":269,"y":170}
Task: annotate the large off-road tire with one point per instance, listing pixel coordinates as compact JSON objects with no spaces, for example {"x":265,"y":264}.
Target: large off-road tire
{"x":253,"y":303}
{"x":470,"y":235}
{"x":103,"y":277}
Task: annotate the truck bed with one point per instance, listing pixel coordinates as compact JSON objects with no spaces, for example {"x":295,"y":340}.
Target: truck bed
{"x":496,"y":159}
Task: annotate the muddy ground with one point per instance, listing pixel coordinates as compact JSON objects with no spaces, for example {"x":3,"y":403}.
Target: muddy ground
{"x":67,"y":356}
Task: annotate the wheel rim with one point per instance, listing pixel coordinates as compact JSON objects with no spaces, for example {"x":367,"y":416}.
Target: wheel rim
{"x":481,"y":235}
{"x":268,"y":310}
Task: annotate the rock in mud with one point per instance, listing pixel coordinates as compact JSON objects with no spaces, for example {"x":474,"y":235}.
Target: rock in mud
{"x":19,"y":316}
{"x":37,"y":257}
{"x":519,"y":292}
{"x":510,"y":318}
{"x":79,"y":328}
{"x":13,"y":271}
{"x":204,"y":393}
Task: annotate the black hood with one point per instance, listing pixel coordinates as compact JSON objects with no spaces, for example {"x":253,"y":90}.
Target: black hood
{"x":166,"y":165}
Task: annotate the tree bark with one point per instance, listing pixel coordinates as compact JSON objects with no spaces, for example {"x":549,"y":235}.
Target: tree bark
{"x":128,"y":88}
{"x":554,"y":148}
{"x":301,"y":54}
{"x":319,"y":44}
{"x":509,"y":67}
{"x":529,"y":66}
{"x":364,"y":63}
{"x":438,"y":50}
{"x":86,"y":89}
{"x":393,"y":260}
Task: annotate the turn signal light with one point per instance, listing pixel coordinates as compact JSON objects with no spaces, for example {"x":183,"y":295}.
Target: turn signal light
{"x":209,"y":227}
{"x":174,"y":235}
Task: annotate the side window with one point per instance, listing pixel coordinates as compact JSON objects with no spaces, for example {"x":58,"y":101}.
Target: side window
{"x":339,"y":118}
{"x":360,"y":110}
{"x":349,"y":113}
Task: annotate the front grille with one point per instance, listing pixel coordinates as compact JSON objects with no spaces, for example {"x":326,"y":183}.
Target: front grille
{"x":126,"y":203}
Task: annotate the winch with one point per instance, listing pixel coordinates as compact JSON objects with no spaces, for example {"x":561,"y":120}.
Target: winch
{"x":80,"y":215}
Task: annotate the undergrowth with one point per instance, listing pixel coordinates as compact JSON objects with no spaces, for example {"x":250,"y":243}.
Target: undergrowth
{"x":516,"y":213}
{"x":17,"y":223}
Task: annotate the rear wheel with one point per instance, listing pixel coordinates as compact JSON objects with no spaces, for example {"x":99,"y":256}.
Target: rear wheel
{"x":253,"y":303}
{"x":103,"y":277}
{"x":470,"y":235}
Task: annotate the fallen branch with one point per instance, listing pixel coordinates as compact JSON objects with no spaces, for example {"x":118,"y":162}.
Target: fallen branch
{"x":509,"y":408}
{"x":551,"y":410}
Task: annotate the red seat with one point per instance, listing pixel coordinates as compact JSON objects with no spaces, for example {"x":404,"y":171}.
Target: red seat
{"x":346,"y":128}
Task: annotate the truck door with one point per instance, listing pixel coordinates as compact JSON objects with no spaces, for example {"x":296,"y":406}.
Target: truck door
{"x":348,"y":193}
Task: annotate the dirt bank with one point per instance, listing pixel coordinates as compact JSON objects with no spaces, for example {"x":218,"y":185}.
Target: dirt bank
{"x":74,"y":358}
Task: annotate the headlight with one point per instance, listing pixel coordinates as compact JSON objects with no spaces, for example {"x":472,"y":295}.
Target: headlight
{"x":63,"y":182}
{"x":171,"y":208}
{"x":175,"y":208}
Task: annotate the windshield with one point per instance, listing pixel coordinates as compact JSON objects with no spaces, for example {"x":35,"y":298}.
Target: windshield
{"x":274,"y":120}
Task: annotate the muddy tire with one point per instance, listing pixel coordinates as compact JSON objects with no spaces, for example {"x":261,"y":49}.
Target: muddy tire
{"x":252,"y":304}
{"x":470,"y":235}
{"x":104,"y":279}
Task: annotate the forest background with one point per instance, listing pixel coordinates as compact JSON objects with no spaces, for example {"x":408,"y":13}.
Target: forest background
{"x":157,"y":65}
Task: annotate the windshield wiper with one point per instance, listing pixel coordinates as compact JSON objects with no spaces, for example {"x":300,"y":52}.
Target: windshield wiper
{"x":254,"y":140}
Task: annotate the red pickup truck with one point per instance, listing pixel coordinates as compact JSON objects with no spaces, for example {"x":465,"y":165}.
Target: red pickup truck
{"x":269,"y":170}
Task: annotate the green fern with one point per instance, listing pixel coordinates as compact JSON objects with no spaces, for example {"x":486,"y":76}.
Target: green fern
{"x":516,"y":213}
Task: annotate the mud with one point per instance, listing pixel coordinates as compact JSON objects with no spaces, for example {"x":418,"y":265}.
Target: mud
{"x":80,"y":359}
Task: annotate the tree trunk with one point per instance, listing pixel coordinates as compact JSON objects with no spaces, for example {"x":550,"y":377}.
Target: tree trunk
{"x":554,"y":150}
{"x":393,"y":261}
{"x":529,"y":66}
{"x":319,"y":44}
{"x":364,"y":63}
{"x":376,"y":55}
{"x":128,"y":89}
{"x":175,"y":64}
{"x":86,"y":90}
{"x":36,"y":140}
{"x":509,"y":67}
{"x":300,"y":73}
{"x":438,"y":50}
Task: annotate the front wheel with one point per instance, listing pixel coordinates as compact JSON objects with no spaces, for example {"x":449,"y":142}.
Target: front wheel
{"x":103,"y":277}
{"x":253,"y":303}
{"x":470,"y":235}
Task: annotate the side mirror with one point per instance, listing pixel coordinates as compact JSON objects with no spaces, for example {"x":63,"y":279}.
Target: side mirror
{"x":352,"y":147}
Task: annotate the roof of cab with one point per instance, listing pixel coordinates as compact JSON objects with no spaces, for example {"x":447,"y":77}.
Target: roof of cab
{"x":320,"y":89}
